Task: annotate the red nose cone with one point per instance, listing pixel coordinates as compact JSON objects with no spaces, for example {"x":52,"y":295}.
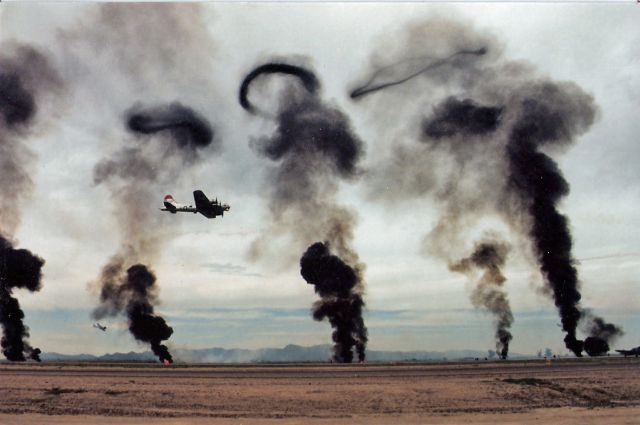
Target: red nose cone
{"x":168,"y":198}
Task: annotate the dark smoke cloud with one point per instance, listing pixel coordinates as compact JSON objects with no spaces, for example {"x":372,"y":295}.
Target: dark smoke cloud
{"x":405,"y":70}
{"x":489,"y":255}
{"x":601,"y":334}
{"x":134,"y":293}
{"x":132,"y":175}
{"x":314,"y":146}
{"x":311,"y":132}
{"x":19,"y":268}
{"x":25,"y":76}
{"x":489,"y":156}
{"x":306,"y":77}
{"x":465,"y":117}
{"x":549,"y":114}
{"x":339,"y":287}
{"x":133,"y":172}
{"x":189,"y":130}
{"x":153,"y":52}
{"x":17,"y":105}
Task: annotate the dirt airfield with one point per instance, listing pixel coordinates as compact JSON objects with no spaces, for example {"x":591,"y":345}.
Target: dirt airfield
{"x":567,"y":391}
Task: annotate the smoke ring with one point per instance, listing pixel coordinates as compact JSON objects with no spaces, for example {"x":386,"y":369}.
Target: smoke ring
{"x":308,"y":79}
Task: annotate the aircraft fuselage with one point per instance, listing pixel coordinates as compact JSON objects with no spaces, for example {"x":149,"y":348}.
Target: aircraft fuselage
{"x":204,"y":206}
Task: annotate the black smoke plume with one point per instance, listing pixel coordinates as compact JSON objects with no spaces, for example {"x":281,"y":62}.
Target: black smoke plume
{"x":403,"y":71}
{"x":601,"y":334}
{"x":549,"y":114}
{"x":339,"y":287}
{"x":17,"y":106}
{"x":490,"y":156}
{"x":25,"y":74}
{"x":19,"y":268}
{"x":464,"y":117}
{"x":489,"y":255}
{"x":314,"y":146}
{"x":306,"y":77}
{"x":132,"y":175}
{"x":134,"y":293}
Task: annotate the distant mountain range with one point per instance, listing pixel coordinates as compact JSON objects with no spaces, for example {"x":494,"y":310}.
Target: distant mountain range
{"x":290,"y":353}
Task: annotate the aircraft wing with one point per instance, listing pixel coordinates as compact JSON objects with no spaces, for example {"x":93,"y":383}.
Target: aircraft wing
{"x":203,"y":204}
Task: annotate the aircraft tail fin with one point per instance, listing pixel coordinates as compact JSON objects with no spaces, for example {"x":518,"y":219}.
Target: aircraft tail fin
{"x":170,"y":204}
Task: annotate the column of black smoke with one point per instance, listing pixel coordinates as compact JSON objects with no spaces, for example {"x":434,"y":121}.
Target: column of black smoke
{"x":135,"y":293}
{"x":541,"y":114}
{"x":126,"y":285}
{"x":19,"y":268}
{"x":338,"y":285}
{"x":550,"y":114}
{"x":490,"y":255}
{"x":314,"y":145}
{"x":24,"y":72}
{"x":533,"y":112}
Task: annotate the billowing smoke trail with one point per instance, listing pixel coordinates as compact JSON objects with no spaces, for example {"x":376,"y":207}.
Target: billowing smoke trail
{"x":485,"y":154}
{"x":535,"y":114}
{"x":19,"y":268}
{"x":306,"y":77}
{"x":134,"y":293}
{"x":314,"y":146}
{"x":25,"y":76}
{"x":549,"y":114}
{"x":132,"y":175}
{"x":339,"y":287}
{"x":489,"y":255}
{"x":405,"y":70}
{"x":601,"y":334}
{"x":25,"y":73}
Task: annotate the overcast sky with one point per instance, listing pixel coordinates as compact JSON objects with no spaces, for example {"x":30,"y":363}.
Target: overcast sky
{"x":210,"y":292}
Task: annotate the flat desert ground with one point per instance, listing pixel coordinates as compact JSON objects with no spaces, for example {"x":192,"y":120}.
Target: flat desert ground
{"x":564,"y":391}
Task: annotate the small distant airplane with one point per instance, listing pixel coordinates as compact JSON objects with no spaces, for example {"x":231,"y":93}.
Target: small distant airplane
{"x":209,"y":209}
{"x":99,"y":326}
{"x":632,"y":352}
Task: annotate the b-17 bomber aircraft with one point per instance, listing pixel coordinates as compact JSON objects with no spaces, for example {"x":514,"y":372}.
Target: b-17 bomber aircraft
{"x":209,"y":209}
